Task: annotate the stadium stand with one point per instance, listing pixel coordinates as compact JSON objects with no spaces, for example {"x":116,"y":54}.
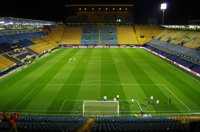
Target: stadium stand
{"x":177,"y":49}
{"x":19,"y":47}
{"x":43,"y":123}
{"x":174,"y":58}
{"x":126,"y":35}
{"x":15,"y":60}
{"x":5,"y":48}
{"x":26,"y":42}
{"x":5,"y":63}
{"x":90,"y":35}
{"x":16,"y":42}
{"x":14,"y":38}
{"x":108,"y":35}
{"x":146,"y":33}
{"x":22,"y":55}
{"x":36,"y":40}
{"x":57,"y":32}
{"x":42,"y":47}
{"x":186,"y":38}
{"x":137,"y":124}
{"x":94,"y":16}
{"x":72,"y":35}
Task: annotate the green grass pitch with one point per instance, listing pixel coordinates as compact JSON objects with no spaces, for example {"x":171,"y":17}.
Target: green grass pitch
{"x":56,"y":84}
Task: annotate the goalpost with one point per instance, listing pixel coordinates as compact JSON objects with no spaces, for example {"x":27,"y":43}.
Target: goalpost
{"x":100,"y":108}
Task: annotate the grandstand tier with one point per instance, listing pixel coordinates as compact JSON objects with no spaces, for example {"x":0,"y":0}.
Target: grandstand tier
{"x":5,"y":63}
{"x":126,"y":35}
{"x":72,"y":35}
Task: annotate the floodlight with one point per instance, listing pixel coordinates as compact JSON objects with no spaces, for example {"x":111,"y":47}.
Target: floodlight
{"x":119,"y":20}
{"x":163,"y":6}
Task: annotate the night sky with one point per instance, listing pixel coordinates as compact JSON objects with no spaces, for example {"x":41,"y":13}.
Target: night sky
{"x":178,"y":12}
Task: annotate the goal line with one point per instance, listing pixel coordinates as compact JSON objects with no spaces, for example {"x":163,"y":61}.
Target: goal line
{"x":100,"y":108}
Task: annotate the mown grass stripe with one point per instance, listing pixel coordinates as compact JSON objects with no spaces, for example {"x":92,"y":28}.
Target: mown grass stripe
{"x":49,"y":73}
{"x":110,"y":73}
{"x":185,"y":85}
{"x":141,"y":77}
{"x":156,"y":70}
{"x":130,"y":86}
{"x":137,"y":72}
{"x":25,"y":73}
{"x":71,"y":91}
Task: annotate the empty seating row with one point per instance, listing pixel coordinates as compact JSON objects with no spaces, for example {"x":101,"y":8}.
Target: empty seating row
{"x":192,"y":53}
{"x":186,"y":63}
{"x":90,"y":35}
{"x":42,"y":47}
{"x":132,"y":119}
{"x":5,"y":63}
{"x":16,"y":37}
{"x":30,"y":118}
{"x":108,"y":35}
{"x":41,"y":127}
{"x":41,"y":123}
{"x":140,"y":127}
{"x":26,"y":43}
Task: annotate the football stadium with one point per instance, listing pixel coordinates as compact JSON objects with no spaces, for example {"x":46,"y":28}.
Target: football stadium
{"x":99,"y":71}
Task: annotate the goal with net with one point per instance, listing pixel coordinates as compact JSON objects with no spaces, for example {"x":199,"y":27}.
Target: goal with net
{"x":100,"y":108}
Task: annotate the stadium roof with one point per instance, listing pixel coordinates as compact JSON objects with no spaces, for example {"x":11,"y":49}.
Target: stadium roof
{"x":12,"y":20}
{"x":98,"y":5}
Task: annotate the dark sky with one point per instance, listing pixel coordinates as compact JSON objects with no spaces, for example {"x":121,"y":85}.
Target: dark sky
{"x":178,"y":12}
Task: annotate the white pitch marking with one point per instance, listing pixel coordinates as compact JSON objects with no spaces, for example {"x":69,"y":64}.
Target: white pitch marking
{"x":62,"y":105}
{"x":68,"y":100}
{"x":177,"y":97}
{"x":26,"y":97}
{"x":139,"y":105}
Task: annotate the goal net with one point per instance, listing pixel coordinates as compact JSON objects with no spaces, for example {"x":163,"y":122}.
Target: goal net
{"x":100,"y":108}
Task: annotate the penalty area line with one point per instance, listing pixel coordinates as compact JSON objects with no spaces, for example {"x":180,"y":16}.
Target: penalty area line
{"x":139,"y":105}
{"x":68,"y":100}
{"x":177,"y":98}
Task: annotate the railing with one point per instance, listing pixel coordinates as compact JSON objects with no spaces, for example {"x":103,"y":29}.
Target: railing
{"x":121,"y":113}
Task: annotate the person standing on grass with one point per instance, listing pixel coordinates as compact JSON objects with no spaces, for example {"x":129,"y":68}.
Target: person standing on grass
{"x":157,"y":102}
{"x":105,"y":98}
{"x":118,"y":97}
{"x":148,"y":103}
{"x":132,"y":100}
{"x":169,"y":101}
{"x":151,"y":98}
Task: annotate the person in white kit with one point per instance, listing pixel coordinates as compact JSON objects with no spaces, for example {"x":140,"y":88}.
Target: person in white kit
{"x":157,"y":102}
{"x":151,"y":98}
{"x":117,"y":97}
{"x":132,"y":100}
{"x":105,"y":98}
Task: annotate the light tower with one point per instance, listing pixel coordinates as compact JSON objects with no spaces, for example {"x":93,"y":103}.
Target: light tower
{"x":163,"y":7}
